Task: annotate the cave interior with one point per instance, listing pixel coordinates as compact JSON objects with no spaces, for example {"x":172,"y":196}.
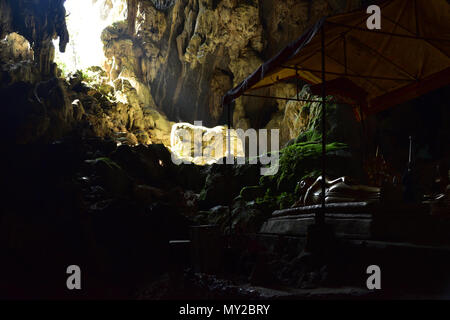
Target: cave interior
{"x":93,"y":97}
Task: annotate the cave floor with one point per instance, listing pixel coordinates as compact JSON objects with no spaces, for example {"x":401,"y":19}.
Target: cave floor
{"x":223,"y":289}
{"x":409,"y":271}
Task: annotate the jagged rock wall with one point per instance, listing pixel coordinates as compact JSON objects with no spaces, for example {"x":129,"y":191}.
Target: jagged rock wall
{"x":180,"y":56}
{"x":40,"y":22}
{"x":40,"y":106}
{"x":35,"y":104}
{"x":190,"y":52}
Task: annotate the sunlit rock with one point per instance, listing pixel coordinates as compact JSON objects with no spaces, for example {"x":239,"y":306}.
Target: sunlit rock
{"x":15,"y":48}
{"x":190,"y":52}
{"x":202,"y":145}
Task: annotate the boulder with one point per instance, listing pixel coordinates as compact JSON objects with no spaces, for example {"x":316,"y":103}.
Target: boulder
{"x":224,"y":182}
{"x":149,"y":164}
{"x":112,"y":176}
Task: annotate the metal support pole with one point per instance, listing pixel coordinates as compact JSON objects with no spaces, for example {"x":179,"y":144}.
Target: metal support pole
{"x":345,"y":55}
{"x":229,"y":128}
{"x":320,"y":216}
{"x":228,"y":171}
{"x":363,"y":136}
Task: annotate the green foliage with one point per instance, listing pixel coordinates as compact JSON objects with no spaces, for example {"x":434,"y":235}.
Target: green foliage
{"x":313,"y":132}
{"x":297,"y":162}
{"x":309,"y":136}
{"x":273,"y":202}
{"x":268,"y":201}
{"x":64,"y":69}
{"x":285,"y":200}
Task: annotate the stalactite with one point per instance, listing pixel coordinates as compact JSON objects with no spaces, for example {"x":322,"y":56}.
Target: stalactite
{"x":39,"y":22}
{"x":131,"y":18}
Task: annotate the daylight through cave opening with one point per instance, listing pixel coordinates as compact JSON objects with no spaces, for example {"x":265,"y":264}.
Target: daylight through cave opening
{"x":86,"y":20}
{"x":89,"y":23}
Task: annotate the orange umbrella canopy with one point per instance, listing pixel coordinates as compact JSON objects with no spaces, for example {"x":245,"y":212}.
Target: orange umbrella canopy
{"x":409,"y":56}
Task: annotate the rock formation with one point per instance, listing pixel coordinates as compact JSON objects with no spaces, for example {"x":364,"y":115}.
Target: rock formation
{"x":40,"y":106}
{"x":190,"y":52}
{"x":174,"y":58}
{"x":202,"y":145}
{"x":39,"y":22}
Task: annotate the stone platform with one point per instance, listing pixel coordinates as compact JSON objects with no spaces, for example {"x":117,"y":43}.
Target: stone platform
{"x":344,"y":225}
{"x":362,"y":220}
{"x":411,"y":246}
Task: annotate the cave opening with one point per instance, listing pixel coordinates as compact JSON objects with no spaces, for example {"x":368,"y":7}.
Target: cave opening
{"x":86,"y":20}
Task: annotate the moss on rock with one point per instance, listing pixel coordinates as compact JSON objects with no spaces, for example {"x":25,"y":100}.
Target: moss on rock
{"x":297,"y":162}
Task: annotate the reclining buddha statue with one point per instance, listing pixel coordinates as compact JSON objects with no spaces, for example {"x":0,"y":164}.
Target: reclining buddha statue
{"x":342,"y":189}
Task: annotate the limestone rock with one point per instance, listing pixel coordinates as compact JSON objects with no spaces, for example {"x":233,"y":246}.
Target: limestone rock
{"x":113,"y":176}
{"x":190,"y":52}
{"x":203,"y":145}
{"x":78,"y":110}
{"x":15,"y":48}
{"x":39,"y":22}
{"x":170,"y":60}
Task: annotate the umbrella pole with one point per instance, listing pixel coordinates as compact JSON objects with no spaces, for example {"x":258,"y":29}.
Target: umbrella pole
{"x":320,"y":236}
{"x":320,"y":215}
